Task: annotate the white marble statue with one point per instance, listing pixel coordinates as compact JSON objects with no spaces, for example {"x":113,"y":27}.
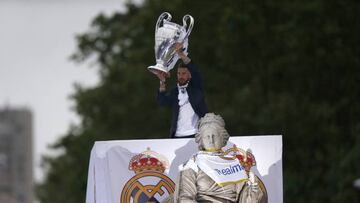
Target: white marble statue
{"x":209,"y":176}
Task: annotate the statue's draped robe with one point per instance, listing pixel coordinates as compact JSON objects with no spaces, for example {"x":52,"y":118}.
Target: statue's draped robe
{"x":198,"y":187}
{"x":194,"y":185}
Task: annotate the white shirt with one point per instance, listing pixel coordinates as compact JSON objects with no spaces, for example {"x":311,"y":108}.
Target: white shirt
{"x":187,"y":119}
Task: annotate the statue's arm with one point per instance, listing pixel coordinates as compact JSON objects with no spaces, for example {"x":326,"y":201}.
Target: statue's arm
{"x":187,"y":186}
{"x":252,"y":193}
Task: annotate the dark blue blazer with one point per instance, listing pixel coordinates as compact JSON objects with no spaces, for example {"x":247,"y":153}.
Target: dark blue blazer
{"x":196,"y":97}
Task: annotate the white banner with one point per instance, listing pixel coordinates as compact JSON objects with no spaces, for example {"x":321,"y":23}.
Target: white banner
{"x":146,"y":170}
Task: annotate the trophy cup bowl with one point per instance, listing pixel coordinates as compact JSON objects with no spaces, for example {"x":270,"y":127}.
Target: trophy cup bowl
{"x":167,"y":34}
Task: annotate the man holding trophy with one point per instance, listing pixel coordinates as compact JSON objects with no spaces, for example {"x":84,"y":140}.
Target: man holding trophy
{"x":187,"y":99}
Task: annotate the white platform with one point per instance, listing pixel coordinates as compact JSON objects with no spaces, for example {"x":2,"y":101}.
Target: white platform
{"x":109,"y":161}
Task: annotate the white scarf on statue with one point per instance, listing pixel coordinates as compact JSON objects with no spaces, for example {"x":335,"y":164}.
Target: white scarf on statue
{"x":221,"y":171}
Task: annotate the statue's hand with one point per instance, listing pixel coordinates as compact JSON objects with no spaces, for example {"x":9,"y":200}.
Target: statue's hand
{"x":252,"y":181}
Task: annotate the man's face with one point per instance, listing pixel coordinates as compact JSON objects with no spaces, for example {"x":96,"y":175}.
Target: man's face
{"x":211,"y":140}
{"x":183,"y":75}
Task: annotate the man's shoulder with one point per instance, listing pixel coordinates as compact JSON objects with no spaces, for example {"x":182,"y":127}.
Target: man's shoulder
{"x":194,"y":88}
{"x":170,"y":93}
{"x":173,"y":90}
{"x":191,"y":66}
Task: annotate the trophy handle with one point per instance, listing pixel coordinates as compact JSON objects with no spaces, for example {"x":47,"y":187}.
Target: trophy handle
{"x":164,"y":16}
{"x":191,"y":24}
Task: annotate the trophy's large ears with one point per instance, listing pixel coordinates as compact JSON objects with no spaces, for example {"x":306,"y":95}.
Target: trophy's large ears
{"x":191,"y":24}
{"x":164,"y":16}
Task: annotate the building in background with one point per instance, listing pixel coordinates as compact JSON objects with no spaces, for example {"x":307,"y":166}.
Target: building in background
{"x":16,"y":161}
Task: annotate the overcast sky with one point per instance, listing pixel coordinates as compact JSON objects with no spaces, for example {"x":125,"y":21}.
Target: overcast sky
{"x":36,"y":39}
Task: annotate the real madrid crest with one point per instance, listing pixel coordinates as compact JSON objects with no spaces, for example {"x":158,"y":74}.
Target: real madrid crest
{"x":150,"y":184}
{"x":246,"y":159}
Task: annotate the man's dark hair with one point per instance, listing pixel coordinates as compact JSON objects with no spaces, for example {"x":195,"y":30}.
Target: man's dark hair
{"x":182,"y":65}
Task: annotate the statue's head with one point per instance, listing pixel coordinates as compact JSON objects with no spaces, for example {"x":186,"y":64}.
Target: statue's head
{"x":212,"y":135}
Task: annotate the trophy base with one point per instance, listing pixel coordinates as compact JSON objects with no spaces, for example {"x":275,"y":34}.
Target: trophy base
{"x":157,"y":68}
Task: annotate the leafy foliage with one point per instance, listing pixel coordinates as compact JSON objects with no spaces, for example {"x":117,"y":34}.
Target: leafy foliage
{"x":270,"y":67}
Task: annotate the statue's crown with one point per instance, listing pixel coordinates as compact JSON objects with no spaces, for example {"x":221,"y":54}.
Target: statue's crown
{"x":211,"y":118}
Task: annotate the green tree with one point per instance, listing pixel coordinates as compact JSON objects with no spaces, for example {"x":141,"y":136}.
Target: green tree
{"x":270,"y":67}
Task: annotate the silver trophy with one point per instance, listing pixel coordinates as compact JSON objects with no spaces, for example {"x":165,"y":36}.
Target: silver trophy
{"x":166,"y":35}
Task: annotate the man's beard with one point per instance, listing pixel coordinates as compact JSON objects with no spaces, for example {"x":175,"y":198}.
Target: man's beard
{"x":184,"y":82}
